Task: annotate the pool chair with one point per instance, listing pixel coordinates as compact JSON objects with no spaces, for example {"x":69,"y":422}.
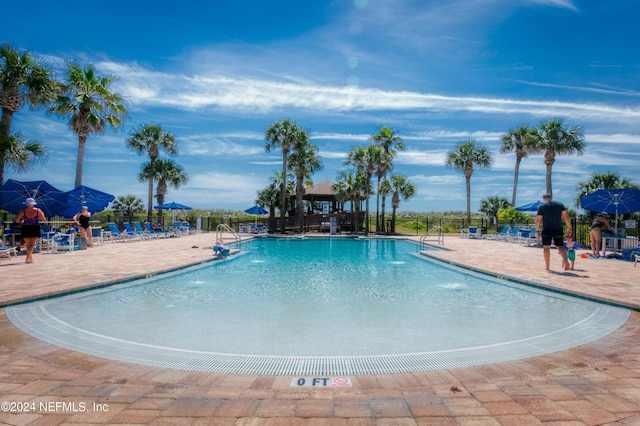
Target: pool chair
{"x":141,"y":231}
{"x":513,"y":235}
{"x":7,"y":251}
{"x":128,"y":229}
{"x":187,"y":228}
{"x":501,"y":235}
{"x":634,"y":255}
{"x":64,"y":242}
{"x":114,"y":233}
{"x":531,"y":240}
{"x":178,"y":229}
{"x":159,"y":232}
{"x":96,"y":235}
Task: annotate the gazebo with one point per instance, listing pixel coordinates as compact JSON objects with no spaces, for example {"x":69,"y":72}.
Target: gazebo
{"x":322,"y":192}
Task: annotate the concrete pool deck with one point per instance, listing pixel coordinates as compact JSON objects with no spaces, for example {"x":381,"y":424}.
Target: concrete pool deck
{"x":597,"y":383}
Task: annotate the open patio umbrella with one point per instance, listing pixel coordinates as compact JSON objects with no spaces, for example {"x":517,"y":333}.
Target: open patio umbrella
{"x":96,"y":201}
{"x":256,"y":210}
{"x":173,"y":206}
{"x":531,"y":207}
{"x":51,"y":200}
{"x":612,"y":201}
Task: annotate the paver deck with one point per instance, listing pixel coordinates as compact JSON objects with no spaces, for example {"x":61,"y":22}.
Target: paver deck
{"x":594,"y":384}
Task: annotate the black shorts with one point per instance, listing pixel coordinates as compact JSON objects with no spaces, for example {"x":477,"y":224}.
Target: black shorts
{"x":555,"y":235}
{"x":30,"y":231}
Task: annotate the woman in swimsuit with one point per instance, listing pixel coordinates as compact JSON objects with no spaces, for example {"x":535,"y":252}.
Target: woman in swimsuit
{"x":595,"y":235}
{"x":85,"y":228}
{"x":30,"y":218}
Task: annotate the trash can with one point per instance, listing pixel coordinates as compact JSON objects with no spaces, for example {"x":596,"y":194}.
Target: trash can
{"x":332,"y":225}
{"x":82,"y":243}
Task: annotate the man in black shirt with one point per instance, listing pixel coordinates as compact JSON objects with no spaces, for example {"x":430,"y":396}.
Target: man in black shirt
{"x":551,"y":214}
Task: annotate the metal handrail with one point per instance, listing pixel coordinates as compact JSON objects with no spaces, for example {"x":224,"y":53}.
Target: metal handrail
{"x":436,"y":231}
{"x":223,"y":227}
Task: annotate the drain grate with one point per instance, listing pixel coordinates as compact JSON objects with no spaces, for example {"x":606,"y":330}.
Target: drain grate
{"x":33,"y":319}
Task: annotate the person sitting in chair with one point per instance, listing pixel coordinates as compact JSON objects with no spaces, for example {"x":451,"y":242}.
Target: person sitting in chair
{"x":220,"y":249}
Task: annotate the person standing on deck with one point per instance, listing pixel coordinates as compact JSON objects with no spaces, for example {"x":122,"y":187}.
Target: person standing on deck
{"x":551,"y":214}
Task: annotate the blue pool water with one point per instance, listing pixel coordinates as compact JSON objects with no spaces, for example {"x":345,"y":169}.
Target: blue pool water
{"x":321,"y":297}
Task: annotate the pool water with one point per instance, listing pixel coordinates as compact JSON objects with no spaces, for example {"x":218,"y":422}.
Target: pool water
{"x":325,"y":297}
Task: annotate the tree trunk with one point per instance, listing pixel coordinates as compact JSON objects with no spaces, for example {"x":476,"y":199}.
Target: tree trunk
{"x":549,"y":164}
{"x":283,"y":194}
{"x":7,"y":117}
{"x":82,"y":141}
{"x":515,"y":180}
{"x":150,"y":200}
{"x":378,"y":205}
{"x":366,"y":218}
{"x":393,"y":221}
{"x":468,"y":182}
{"x":384,"y":200}
{"x":299,"y":194}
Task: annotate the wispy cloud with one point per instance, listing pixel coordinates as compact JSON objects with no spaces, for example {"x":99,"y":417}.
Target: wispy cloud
{"x":580,"y":88}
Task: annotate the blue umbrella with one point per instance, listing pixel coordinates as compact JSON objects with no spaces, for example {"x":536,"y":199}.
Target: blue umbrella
{"x":173,"y":206}
{"x":95,"y":200}
{"x":612,"y":201}
{"x":531,"y":207}
{"x":256,"y":210}
{"x":51,"y":200}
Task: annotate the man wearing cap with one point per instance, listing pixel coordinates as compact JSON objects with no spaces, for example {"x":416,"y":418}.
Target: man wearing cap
{"x":30,"y":218}
{"x":551,"y":214}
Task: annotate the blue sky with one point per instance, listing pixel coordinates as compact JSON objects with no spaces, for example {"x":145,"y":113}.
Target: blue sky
{"x":217,"y":73}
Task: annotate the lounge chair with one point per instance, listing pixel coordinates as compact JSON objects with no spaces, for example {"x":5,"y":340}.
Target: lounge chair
{"x":128,"y":229}
{"x":514,"y":234}
{"x":501,"y":235}
{"x":159,"y":232}
{"x":634,"y":255}
{"x":141,"y":231}
{"x":532,"y":240}
{"x":7,"y":251}
{"x":115,"y":234}
{"x":64,"y":242}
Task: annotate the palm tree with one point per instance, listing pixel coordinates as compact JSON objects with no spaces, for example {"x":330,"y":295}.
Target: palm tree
{"x":22,"y":81}
{"x":90,"y":105}
{"x":491,"y":206}
{"x":365,"y":159}
{"x":150,"y":139}
{"x":269,"y":196}
{"x":303,"y":162}
{"x":283,"y":134}
{"x":167,"y":173}
{"x":465,"y":157}
{"x":389,"y":141}
{"x":384,"y":163}
{"x":20,"y":154}
{"x":128,"y":205}
{"x":606,"y":180}
{"x":518,"y":140}
{"x":554,"y":137}
{"x":400,"y":188}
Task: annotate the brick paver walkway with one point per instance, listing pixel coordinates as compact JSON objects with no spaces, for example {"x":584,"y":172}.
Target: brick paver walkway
{"x":594,"y":384}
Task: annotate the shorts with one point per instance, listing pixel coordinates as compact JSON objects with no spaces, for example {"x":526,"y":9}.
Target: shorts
{"x":555,"y":235}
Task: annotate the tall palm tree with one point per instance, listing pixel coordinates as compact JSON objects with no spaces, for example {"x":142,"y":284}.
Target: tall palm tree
{"x":20,"y":154}
{"x":554,"y":137}
{"x":303,"y":162}
{"x":128,"y":205}
{"x":384,"y":162}
{"x":390,"y":142}
{"x":518,"y":140}
{"x":365,"y":159}
{"x":605,"y":180}
{"x":167,"y":173}
{"x":90,"y":105}
{"x":348,"y":189}
{"x":283,"y":134}
{"x":150,"y":139}
{"x":400,"y":188}
{"x":465,"y":157}
{"x":22,"y":81}
{"x":492,"y":205}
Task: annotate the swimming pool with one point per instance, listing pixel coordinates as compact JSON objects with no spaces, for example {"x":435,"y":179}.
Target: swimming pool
{"x":318,"y":306}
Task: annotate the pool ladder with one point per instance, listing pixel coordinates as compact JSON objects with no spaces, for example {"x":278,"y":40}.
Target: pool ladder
{"x":437,"y":232}
{"x":224,"y":228}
